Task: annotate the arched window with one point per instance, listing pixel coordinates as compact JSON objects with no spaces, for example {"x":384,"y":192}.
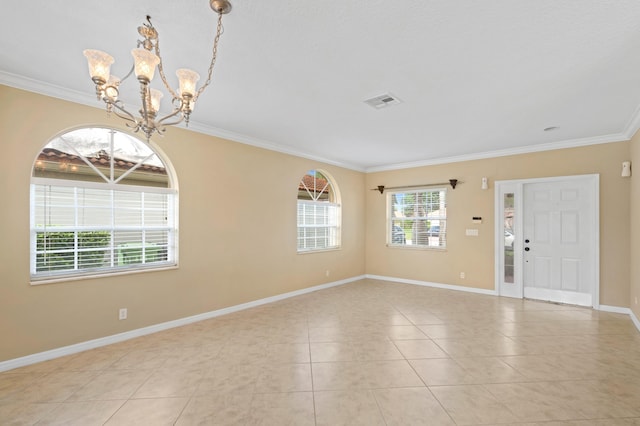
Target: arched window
{"x":102,"y":201}
{"x":318,"y":212}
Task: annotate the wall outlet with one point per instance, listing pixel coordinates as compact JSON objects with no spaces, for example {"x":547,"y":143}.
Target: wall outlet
{"x":122,"y":314}
{"x":636,"y":300}
{"x":462,"y":275}
{"x":327,"y":272}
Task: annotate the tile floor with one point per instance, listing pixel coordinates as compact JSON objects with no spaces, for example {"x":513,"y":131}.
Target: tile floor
{"x":366,"y":353}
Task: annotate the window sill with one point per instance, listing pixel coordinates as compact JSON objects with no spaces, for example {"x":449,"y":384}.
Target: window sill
{"x":320,"y":250}
{"x":422,"y":248}
{"x":68,"y":278}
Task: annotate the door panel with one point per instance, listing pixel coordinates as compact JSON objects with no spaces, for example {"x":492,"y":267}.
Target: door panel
{"x":559,"y":224}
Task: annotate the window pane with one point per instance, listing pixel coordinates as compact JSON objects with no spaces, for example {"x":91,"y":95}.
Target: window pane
{"x":417,"y":218}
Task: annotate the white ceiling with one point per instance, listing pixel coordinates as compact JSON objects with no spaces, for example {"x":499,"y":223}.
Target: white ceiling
{"x":476,"y":78}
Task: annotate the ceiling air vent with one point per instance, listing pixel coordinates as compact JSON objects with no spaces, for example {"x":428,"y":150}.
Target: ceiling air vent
{"x":382,"y":101}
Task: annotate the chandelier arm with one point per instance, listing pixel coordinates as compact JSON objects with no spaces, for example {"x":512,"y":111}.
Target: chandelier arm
{"x":176,"y":112}
{"x":133,"y":67}
{"x":214,"y":55}
{"x":124,"y":114}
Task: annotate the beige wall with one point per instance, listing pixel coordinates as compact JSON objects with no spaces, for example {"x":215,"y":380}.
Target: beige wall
{"x":237,"y":229}
{"x":237,"y":234}
{"x":634,"y":299}
{"x":475,"y":255}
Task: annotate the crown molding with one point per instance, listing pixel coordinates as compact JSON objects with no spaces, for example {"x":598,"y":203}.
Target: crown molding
{"x":572,"y":143}
{"x":89,"y":99}
{"x":633,"y":125}
{"x":36,"y":86}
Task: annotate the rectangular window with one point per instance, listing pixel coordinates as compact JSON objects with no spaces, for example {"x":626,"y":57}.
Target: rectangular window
{"x":82,"y":230}
{"x":417,"y":218}
{"x":318,"y":225}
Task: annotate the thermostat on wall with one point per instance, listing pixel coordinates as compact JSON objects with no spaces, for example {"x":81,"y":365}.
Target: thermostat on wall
{"x":477,"y":219}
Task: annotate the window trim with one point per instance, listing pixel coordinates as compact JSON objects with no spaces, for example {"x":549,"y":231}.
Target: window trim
{"x":389,"y":219}
{"x":336,"y":203}
{"x":170,"y":208}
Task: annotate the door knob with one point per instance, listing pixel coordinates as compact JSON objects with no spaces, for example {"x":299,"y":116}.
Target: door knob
{"x":526,"y":241}
{"x":527,"y":249}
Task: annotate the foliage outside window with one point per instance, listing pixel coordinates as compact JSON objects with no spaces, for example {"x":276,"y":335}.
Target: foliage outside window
{"x":417,"y":218}
{"x":318,"y":213}
{"x":101,"y":202}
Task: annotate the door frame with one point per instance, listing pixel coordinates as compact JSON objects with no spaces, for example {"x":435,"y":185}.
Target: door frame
{"x":516,"y":187}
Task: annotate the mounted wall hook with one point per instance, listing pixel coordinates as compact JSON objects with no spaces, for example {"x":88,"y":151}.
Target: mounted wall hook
{"x":453,"y":183}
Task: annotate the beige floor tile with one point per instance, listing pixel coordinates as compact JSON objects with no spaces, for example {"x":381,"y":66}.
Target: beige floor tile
{"x":472,"y":404}
{"x":284,"y":378}
{"x":533,"y":402}
{"x":156,"y":411}
{"x":411,"y":406}
{"x":438,"y":372}
{"x":418,"y":349}
{"x":490,"y":370}
{"x":405,"y":332}
{"x":82,"y":413}
{"x":480,"y":346}
{"x":286,"y":353}
{"x":170,"y":383}
{"x":352,"y":408}
{"x":376,"y":350}
{"x":216,"y":409}
{"x":295,"y":409}
{"x":14,"y":413}
{"x":146,"y":359}
{"x":363,"y":375}
{"x":115,"y":384}
{"x":457,"y":331}
{"x":56,"y":386}
{"x":365,"y":353}
{"x":12,"y":384}
{"x":229,"y":379}
{"x":332,"y":351}
{"x":95,"y":359}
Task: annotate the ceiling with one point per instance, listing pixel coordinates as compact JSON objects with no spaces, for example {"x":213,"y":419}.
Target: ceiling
{"x":475,"y":78}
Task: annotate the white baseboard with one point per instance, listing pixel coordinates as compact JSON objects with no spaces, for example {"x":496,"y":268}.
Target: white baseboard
{"x":434,"y":285}
{"x":108,"y":340}
{"x":614,"y":309}
{"x":635,"y":320}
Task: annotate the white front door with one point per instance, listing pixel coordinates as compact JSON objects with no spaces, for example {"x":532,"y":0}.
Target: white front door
{"x":559,"y":240}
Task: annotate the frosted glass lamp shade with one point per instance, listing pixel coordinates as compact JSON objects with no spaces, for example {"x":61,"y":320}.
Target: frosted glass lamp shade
{"x":156,"y":96}
{"x":99,"y":65}
{"x":145,"y":63}
{"x":187,"y":79}
{"x":111,"y":88}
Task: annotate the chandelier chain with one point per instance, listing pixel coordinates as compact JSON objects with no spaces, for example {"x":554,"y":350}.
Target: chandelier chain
{"x":214,"y":55}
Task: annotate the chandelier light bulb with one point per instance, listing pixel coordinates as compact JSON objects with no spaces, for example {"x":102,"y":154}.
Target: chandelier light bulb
{"x":145,"y":63}
{"x":188,"y":80}
{"x":111,"y":88}
{"x":99,"y":65}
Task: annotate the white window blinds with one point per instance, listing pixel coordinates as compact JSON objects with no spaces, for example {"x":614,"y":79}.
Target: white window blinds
{"x":80,"y":230}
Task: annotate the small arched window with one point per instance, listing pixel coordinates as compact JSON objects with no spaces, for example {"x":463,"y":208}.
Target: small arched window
{"x":318,"y":212}
{"x":102,"y":201}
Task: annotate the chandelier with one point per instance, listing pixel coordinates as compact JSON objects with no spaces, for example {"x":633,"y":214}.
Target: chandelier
{"x":146,"y":57}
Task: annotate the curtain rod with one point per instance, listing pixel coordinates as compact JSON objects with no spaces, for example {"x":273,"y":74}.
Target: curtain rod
{"x":452,"y":182}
